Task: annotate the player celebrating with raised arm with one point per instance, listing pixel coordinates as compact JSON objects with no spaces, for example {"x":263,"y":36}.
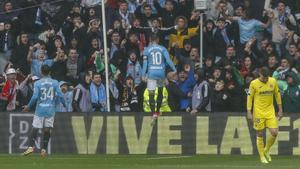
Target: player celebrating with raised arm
{"x":260,"y":103}
{"x":46,"y":93}
{"x":156,"y":57}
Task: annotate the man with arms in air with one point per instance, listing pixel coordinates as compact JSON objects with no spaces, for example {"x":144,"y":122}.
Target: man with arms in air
{"x":260,"y":110}
{"x":156,"y":57}
{"x":46,"y":94}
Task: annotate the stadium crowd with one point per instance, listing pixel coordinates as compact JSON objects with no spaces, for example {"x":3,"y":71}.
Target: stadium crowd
{"x":239,"y":37}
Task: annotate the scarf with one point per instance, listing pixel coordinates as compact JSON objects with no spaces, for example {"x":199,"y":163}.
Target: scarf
{"x":135,"y":71}
{"x":9,"y":94}
{"x":6,"y":93}
{"x":282,"y":74}
{"x":98,"y":95}
{"x":125,"y":17}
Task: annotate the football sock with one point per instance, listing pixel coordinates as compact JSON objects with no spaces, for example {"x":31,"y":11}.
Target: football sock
{"x":46,"y":138}
{"x":32,"y":137}
{"x":260,"y":146}
{"x":152,"y":101}
{"x":270,"y":142}
{"x":159,"y":98}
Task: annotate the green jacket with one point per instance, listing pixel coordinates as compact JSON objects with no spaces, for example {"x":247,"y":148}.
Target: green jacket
{"x":291,"y":96}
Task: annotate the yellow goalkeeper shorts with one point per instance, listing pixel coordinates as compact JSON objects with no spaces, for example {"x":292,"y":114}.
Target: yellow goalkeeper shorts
{"x":262,"y":123}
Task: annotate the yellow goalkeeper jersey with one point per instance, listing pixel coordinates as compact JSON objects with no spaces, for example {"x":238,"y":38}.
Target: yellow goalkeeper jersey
{"x":260,"y":98}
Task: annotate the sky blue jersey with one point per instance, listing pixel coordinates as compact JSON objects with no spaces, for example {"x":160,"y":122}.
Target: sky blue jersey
{"x":156,"y":58}
{"x":46,"y":94}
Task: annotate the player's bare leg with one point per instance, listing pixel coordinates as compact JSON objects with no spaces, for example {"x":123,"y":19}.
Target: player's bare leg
{"x":260,"y":146}
{"x":47,"y":135}
{"x":270,"y":142}
{"x":32,"y":138}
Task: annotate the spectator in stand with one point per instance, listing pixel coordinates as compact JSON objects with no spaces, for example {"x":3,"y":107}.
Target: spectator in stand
{"x":219,"y":9}
{"x":20,"y":52}
{"x":222,"y":38}
{"x":133,"y":69}
{"x":282,"y":21}
{"x":292,"y":50}
{"x":272,"y":63}
{"x":220,"y":98}
{"x":81,"y":96}
{"x":36,"y":64}
{"x":248,"y":27}
{"x":281,"y":72}
{"x":291,"y":95}
{"x":174,"y":91}
{"x":123,"y":14}
{"x":8,"y":97}
{"x":74,"y":66}
{"x":167,"y":14}
{"x":182,"y":32}
{"x":146,"y":15}
{"x":200,"y":96}
{"x":186,"y":84}
{"x":26,"y":89}
{"x":98,"y":93}
{"x":128,"y":99}
{"x":230,"y":58}
{"x":216,"y":76}
{"x":7,"y":41}
{"x":68,"y":96}
{"x":59,"y":69}
{"x":9,"y":13}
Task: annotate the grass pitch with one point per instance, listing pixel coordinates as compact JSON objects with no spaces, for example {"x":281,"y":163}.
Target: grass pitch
{"x":145,"y":162}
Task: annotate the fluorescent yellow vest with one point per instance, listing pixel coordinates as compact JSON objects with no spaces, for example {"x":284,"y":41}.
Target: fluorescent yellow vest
{"x":164,"y":106}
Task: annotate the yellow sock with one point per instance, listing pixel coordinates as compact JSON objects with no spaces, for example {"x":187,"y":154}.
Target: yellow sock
{"x":270,"y":142}
{"x":260,"y":146}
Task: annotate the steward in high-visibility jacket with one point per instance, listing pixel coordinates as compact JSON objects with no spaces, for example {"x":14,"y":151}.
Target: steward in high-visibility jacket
{"x":164,"y":105}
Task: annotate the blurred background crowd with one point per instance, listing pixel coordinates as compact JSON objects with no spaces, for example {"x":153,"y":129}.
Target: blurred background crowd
{"x":239,"y":37}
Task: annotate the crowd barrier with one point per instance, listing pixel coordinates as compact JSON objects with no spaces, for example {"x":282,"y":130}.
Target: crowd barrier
{"x":131,"y":133}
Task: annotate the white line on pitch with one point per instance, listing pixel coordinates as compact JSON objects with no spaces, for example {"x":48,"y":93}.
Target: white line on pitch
{"x":170,"y":157}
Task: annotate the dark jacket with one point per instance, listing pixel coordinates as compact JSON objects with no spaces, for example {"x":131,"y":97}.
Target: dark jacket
{"x":175,"y":95}
{"x":220,"y":101}
{"x":19,"y":58}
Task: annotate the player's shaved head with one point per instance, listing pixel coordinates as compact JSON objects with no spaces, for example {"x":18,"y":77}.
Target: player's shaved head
{"x":45,"y":69}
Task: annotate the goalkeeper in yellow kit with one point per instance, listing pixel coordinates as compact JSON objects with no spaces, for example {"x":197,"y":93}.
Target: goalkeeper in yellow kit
{"x":260,"y":110}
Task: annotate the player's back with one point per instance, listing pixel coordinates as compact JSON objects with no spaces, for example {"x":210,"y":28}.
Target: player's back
{"x":46,"y":99}
{"x":156,"y":61}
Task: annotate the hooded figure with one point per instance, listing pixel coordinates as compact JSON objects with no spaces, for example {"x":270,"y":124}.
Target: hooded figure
{"x":81,"y":96}
{"x":291,"y":95}
{"x":201,"y":94}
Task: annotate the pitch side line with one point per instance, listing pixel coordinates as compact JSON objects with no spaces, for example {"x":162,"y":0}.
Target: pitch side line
{"x":170,"y":157}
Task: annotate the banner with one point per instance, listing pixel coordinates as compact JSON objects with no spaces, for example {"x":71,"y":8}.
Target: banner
{"x":99,"y":133}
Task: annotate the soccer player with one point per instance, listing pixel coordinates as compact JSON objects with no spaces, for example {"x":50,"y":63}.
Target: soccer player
{"x":46,"y":93}
{"x":156,"y":57}
{"x":260,"y":110}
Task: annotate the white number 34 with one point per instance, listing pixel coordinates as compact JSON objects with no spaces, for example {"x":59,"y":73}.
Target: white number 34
{"x":47,"y":93}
